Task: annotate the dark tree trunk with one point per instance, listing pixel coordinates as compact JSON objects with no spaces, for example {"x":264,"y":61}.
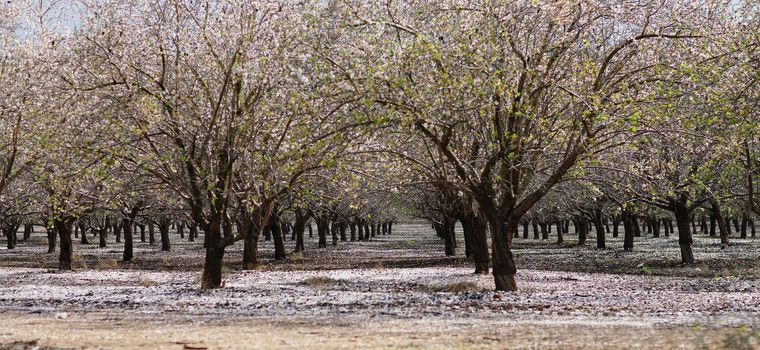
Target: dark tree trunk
{"x":628,"y":232}
{"x":9,"y":230}
{"x":615,"y":223}
{"x":703,"y":224}
{"x":311,"y":231}
{"x":535,"y":229}
{"x":366,"y":230}
{"x":251,"y":234}
{"x":63,"y":228}
{"x":445,"y":231}
{"x":28,"y":231}
{"x":712,"y":226}
{"x":601,"y":242}
{"x":684,"y":234}
{"x":192,"y":232}
{"x":504,"y":268}
{"x":128,"y":240}
{"x":212,"y":267}
{"x":474,"y":227}
{"x":352,"y":227}
{"x":667,"y":228}
{"x":299,"y":227}
{"x":723,"y":226}
{"x":151,"y":233}
{"x":142,"y":232}
{"x":181,"y":230}
{"x":163,"y":229}
{"x":83,"y":228}
{"x":342,"y":227}
{"x":526,"y":228}
{"x":743,"y":229}
{"x":51,"y":236}
{"x":323,"y":226}
{"x":544,"y":231}
{"x":279,"y":243}
{"x":582,"y":225}
{"x":102,"y":235}
{"x":390,"y":227}
{"x":560,"y":233}
{"x":334,"y":232}
{"x":117,"y":232}
{"x":636,"y":226}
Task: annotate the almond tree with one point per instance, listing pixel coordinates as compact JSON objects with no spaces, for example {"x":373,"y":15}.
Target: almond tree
{"x":535,"y":87}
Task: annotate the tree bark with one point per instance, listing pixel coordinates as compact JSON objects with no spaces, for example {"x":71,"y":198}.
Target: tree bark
{"x":151,"y":233}
{"x":279,"y":244}
{"x":128,"y":240}
{"x":601,"y":242}
{"x":684,"y":234}
{"x":51,"y":236}
{"x":504,"y":268}
{"x":628,"y":231}
{"x":63,"y":228}
{"x":163,"y":229}
{"x":474,"y":227}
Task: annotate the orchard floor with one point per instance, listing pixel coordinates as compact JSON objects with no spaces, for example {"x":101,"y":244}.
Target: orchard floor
{"x":397,"y":291}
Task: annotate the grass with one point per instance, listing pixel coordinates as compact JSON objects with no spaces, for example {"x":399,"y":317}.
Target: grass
{"x":321,"y":282}
{"x":455,"y":287}
{"x":107,"y":264}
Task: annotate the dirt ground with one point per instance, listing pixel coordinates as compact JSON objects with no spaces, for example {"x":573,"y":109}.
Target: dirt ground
{"x":397,"y":291}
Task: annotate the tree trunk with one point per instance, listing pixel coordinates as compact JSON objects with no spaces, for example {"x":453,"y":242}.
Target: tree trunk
{"x":447,"y":229}
{"x":684,"y":234}
{"x":582,"y":225}
{"x":128,"y":242}
{"x":544,"y":231}
{"x":743,"y":229}
{"x":334,"y":232}
{"x":628,"y":232}
{"x":10,"y":234}
{"x":474,"y":227}
{"x":28,"y":231}
{"x":102,"y":235}
{"x":299,"y":227}
{"x":615,"y":223}
{"x":279,"y":244}
{"x":535,"y":229}
{"x":323,"y":225}
{"x":117,"y":232}
{"x":342,"y":227}
{"x":163,"y":229}
{"x":723,"y":226}
{"x":601,"y":242}
{"x":212,"y":267}
{"x":504,"y":268}
{"x":142,"y":232}
{"x":63,"y":228}
{"x":151,"y":233}
{"x":352,"y":227}
{"x":181,"y":229}
{"x":83,"y":229}
{"x":712,"y":226}
{"x":250,"y":233}
{"x":51,"y":235}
